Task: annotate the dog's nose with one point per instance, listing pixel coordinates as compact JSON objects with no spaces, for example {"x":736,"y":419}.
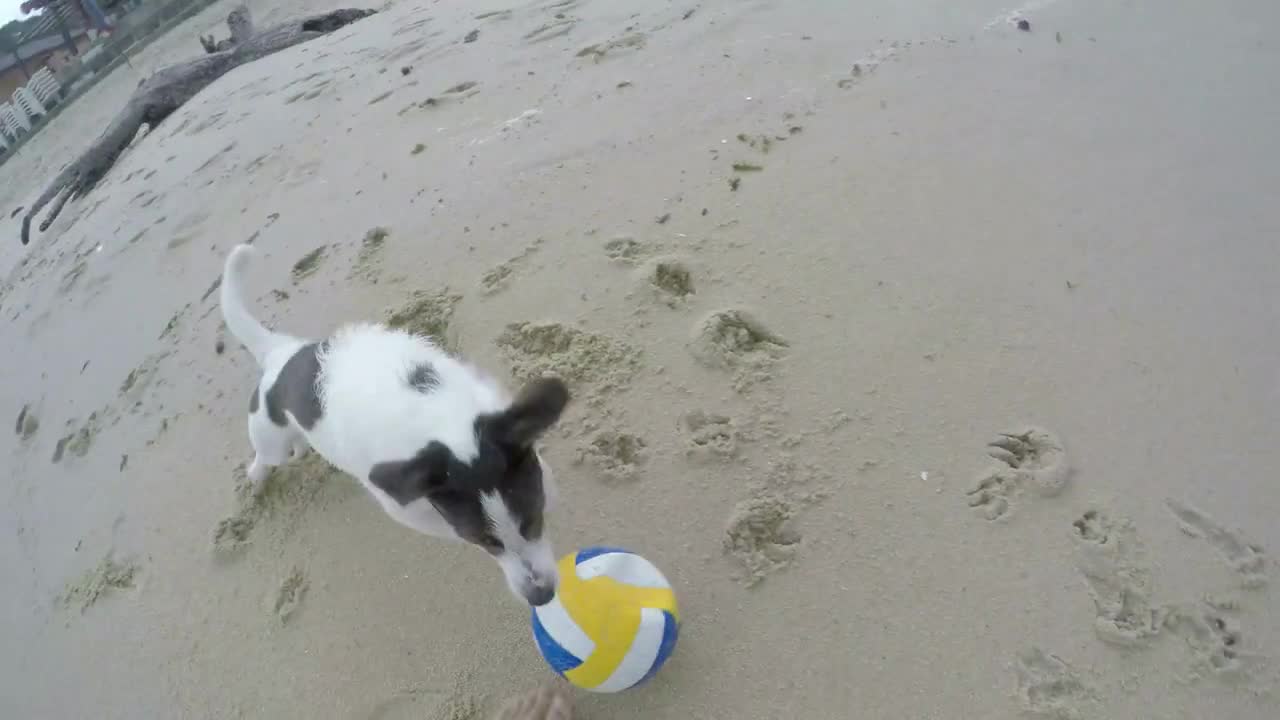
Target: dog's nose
{"x":539,"y":595}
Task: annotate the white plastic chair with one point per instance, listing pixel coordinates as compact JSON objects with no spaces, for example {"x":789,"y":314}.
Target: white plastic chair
{"x":14,"y":121}
{"x":46,"y":87}
{"x":25,"y":99}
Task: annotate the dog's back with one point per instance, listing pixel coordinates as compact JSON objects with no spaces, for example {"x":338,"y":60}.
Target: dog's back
{"x":384,"y":391}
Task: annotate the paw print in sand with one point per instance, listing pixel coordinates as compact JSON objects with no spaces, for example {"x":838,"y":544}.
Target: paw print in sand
{"x":990,"y":497}
{"x":1031,"y":456}
{"x":1034,"y":454}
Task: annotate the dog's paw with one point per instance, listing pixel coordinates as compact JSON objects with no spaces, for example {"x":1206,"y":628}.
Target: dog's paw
{"x":257,"y":475}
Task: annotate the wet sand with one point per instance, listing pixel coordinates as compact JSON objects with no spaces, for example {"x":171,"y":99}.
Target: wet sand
{"x":933,"y":360}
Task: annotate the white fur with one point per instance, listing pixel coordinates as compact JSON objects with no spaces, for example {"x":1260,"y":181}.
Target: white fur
{"x":372,"y":416}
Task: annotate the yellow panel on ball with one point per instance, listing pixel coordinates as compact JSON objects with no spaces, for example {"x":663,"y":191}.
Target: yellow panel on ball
{"x":613,"y":623}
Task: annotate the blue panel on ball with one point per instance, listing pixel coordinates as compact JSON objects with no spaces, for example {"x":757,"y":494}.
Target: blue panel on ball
{"x":588,"y":553}
{"x":670,"y":632}
{"x":557,"y":657}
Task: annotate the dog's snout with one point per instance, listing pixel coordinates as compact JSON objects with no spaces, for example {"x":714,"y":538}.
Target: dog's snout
{"x":539,"y":595}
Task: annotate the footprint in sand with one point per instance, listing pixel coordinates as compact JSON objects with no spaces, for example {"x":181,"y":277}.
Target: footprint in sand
{"x":734,"y":339}
{"x":366,"y":264}
{"x":428,"y":315}
{"x":669,"y":279}
{"x":496,"y":279}
{"x":308,"y":264}
{"x":626,"y":250}
{"x":616,"y":456}
{"x":139,"y":379}
{"x":290,"y":492}
{"x":761,"y":143}
{"x":1114,"y":567}
{"x":288,"y":597}
{"x":1112,"y":562}
{"x":576,"y":356}
{"x":107,"y":577}
{"x":630,"y":42}
{"x":761,"y":533}
{"x":760,"y":537}
{"x":27,"y":424}
{"x":78,"y":442}
{"x":1246,"y":558}
{"x":710,"y":436}
{"x":1029,"y":457}
{"x":455,"y":93}
{"x":1048,"y":687}
{"x":1213,"y":639}
{"x":231,"y":534}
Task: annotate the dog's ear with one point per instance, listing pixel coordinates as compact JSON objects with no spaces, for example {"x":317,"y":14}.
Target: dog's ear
{"x":409,"y":480}
{"x":536,"y":408}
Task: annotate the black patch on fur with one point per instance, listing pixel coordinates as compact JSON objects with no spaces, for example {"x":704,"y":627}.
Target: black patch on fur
{"x":294,"y":391}
{"x":506,"y":464}
{"x":454,"y":487}
{"x":424,"y":378}
{"x":253,"y":402}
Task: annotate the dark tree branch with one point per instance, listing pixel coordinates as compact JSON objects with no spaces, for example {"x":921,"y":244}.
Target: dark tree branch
{"x":239,"y":23}
{"x":157,"y":97}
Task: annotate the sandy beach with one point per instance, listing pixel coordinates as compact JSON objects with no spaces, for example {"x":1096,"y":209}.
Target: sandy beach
{"x":936,"y":362}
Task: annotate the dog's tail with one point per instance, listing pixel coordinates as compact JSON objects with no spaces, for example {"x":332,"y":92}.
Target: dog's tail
{"x":253,"y":334}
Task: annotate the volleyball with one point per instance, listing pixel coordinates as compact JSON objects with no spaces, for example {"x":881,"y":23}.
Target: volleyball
{"x":612,"y":623}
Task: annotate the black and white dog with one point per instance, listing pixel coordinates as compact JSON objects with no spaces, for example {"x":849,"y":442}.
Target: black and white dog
{"x":438,"y":443}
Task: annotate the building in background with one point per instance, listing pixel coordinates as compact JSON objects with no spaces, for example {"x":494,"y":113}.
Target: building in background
{"x":55,"y":37}
{"x":89,"y":11}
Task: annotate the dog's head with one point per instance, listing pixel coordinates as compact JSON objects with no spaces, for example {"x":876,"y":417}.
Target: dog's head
{"x":495,"y":499}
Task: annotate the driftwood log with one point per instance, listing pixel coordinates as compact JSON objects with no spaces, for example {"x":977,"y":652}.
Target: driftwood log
{"x":165,"y":91}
